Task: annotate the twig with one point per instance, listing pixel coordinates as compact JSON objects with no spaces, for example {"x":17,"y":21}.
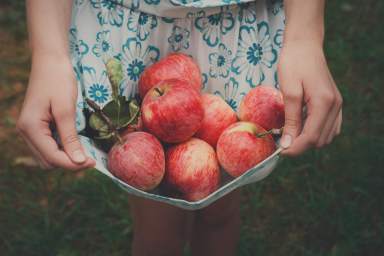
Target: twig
{"x":272,"y":131}
{"x":105,"y":118}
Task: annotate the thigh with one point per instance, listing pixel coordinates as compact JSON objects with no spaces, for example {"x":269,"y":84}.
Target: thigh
{"x":224,"y":210}
{"x":157,"y":220}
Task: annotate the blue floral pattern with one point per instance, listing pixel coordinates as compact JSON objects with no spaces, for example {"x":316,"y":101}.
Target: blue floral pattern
{"x":278,"y":39}
{"x":276,"y":6}
{"x":103,"y":47}
{"x":142,"y":24}
{"x":77,"y":48}
{"x":220,"y":62}
{"x":194,"y":3}
{"x":255,"y":51}
{"x":213,"y":26}
{"x":276,"y":80}
{"x":231,"y":93}
{"x":179,"y":39}
{"x":154,"y":2}
{"x":110,"y":12}
{"x":79,"y":2}
{"x":135,"y":58}
{"x":98,"y":86}
{"x":247,"y":14}
{"x":204,"y":80}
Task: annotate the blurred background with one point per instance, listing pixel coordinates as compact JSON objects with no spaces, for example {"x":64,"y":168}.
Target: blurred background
{"x":326,"y":202}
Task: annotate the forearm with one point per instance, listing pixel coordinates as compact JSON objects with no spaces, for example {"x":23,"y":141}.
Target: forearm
{"x":304,"y":20}
{"x":48,"y":24}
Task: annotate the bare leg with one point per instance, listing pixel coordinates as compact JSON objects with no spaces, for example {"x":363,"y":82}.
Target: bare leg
{"x":159,"y":229}
{"x":217,"y":227}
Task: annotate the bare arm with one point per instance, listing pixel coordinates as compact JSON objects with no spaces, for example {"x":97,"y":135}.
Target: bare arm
{"x":48,"y":24}
{"x":52,"y":91}
{"x":306,"y":80}
{"x":304,"y":20}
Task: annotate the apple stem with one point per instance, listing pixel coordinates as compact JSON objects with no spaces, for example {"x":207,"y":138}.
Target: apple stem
{"x":118,"y":137}
{"x":105,"y":118}
{"x":272,"y":131}
{"x":158,"y":91}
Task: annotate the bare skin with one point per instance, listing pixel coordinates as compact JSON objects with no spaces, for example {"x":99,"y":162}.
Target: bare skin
{"x":216,"y":228}
{"x":160,"y":229}
{"x":305,"y":80}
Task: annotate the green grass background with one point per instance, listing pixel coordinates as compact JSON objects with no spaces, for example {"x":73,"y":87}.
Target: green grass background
{"x":326,"y":202}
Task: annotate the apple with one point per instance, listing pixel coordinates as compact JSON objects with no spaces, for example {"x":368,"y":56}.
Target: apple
{"x":218,"y":115}
{"x":239,"y":148}
{"x":172,"y":111}
{"x":192,"y":169}
{"x":264,"y":106}
{"x":138,"y":160}
{"x":173,"y":66}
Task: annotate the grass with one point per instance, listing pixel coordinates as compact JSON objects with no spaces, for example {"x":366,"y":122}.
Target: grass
{"x":326,"y":202}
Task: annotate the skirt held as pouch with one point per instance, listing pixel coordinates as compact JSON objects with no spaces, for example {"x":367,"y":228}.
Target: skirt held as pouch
{"x":236,"y":43}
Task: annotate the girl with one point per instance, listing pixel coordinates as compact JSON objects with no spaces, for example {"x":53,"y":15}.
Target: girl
{"x":238,"y":44}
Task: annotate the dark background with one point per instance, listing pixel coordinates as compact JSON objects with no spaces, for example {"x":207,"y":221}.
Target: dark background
{"x":326,"y":202}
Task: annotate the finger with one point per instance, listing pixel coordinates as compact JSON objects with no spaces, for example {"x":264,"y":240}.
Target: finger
{"x":42,"y":162}
{"x":317,"y":115}
{"x":335,"y":130}
{"x":340,"y":122}
{"x":48,"y":148}
{"x":332,"y":134}
{"x":65,"y":123}
{"x":293,"y":107}
{"x":329,"y":126}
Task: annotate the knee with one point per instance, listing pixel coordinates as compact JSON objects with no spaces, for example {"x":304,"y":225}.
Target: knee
{"x":157,"y":245}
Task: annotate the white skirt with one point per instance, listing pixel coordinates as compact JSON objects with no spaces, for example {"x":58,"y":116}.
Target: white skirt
{"x":236,"y":44}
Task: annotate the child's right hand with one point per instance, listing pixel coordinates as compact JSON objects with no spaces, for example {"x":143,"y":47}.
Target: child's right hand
{"x":51,"y":98}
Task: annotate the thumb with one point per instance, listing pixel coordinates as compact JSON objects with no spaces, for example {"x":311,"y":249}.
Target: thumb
{"x":65,"y":123}
{"x":293,"y":104}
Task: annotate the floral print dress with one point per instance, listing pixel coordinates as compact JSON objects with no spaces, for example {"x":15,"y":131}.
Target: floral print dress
{"x":235,"y":42}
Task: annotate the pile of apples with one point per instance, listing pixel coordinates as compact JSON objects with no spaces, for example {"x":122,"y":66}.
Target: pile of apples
{"x":186,"y":137}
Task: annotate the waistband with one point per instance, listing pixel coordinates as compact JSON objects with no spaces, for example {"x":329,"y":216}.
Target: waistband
{"x":179,"y":8}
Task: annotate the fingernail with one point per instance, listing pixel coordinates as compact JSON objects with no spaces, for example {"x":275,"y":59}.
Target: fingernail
{"x":286,"y":141}
{"x":78,"y":156}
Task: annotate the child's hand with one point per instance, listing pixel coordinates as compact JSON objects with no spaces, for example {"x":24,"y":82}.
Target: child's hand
{"x":306,"y":81}
{"x":51,"y":97}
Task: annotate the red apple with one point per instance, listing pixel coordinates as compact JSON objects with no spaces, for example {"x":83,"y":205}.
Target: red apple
{"x":263,"y":105}
{"x":192,"y":169}
{"x":172,"y":110}
{"x":218,"y":115}
{"x":139,"y":160}
{"x":239,"y":149}
{"x":173,"y":66}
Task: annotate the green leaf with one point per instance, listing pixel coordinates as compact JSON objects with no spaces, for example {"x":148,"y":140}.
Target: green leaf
{"x":134,"y":111}
{"x":133,"y":108}
{"x":97,"y":123}
{"x":105,"y":140}
{"x":115,"y":75}
{"x":105,"y":135}
{"x":122,"y":112}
